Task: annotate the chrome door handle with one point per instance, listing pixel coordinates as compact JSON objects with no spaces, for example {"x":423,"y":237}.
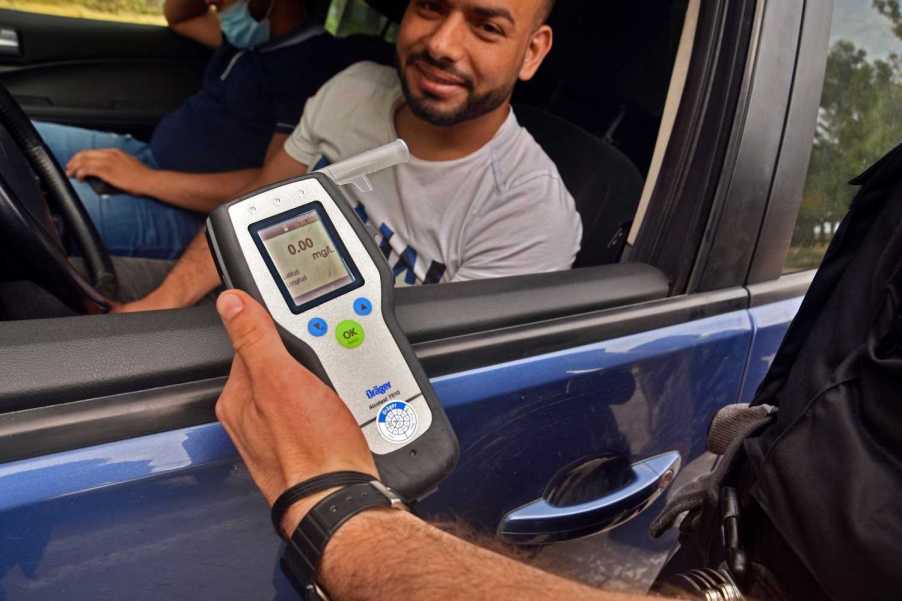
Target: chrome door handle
{"x":540,"y":522}
{"x":9,"y":42}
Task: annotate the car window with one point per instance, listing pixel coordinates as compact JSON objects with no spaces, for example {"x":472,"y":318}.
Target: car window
{"x":349,"y":17}
{"x":601,"y":132}
{"x":858,"y":120}
{"x":146,"y":12}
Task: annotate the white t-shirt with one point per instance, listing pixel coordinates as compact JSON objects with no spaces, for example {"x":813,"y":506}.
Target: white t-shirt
{"x":503,"y":210}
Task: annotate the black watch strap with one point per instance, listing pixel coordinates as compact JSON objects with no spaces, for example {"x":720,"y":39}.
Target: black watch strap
{"x":309,"y":540}
{"x":309,"y":487}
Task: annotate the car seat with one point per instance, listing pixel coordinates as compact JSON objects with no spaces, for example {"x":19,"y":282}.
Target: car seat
{"x":393,"y":9}
{"x":605,"y":184}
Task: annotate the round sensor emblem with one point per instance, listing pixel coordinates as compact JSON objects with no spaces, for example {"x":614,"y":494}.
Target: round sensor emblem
{"x":397,"y":422}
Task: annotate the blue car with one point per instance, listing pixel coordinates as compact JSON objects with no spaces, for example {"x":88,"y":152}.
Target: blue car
{"x":578,"y":397}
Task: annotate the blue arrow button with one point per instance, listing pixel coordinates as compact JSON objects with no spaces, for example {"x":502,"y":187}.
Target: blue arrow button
{"x":363,"y":306}
{"x":317,"y":326}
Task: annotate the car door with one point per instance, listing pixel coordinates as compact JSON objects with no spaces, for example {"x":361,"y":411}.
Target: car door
{"x":117,"y":480}
{"x":94,"y":72}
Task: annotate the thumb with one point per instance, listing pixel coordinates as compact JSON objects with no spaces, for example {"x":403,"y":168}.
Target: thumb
{"x":251,"y":330}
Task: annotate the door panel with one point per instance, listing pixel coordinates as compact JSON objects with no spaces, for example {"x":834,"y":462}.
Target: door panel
{"x":173,"y":513}
{"x":636,"y":397}
{"x":158,"y":517}
{"x":770,"y":323}
{"x":773,"y":305}
{"x":99,"y":74}
{"x":127,"y":95}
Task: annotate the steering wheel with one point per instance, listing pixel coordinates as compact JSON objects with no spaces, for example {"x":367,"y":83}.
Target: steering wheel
{"x":30,"y":180}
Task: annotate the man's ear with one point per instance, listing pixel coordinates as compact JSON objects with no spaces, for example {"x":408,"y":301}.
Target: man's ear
{"x":538,"y":48}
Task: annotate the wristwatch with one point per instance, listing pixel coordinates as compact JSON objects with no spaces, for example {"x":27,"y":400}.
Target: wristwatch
{"x":309,"y":540}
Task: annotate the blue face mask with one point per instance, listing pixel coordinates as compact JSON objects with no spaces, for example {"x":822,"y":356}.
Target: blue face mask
{"x":241,"y":29}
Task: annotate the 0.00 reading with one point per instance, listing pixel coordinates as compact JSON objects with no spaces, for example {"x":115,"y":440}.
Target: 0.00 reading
{"x":304,"y":244}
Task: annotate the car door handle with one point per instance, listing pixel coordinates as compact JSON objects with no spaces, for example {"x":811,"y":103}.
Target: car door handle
{"x":9,"y":42}
{"x":541,"y":522}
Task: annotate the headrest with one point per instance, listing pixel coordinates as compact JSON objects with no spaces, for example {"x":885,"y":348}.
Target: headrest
{"x":393,"y":9}
{"x":603,"y":181}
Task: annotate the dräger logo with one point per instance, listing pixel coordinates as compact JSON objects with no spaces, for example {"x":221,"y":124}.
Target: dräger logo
{"x":378,"y":390}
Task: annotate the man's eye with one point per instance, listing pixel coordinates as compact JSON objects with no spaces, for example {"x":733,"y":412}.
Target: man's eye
{"x":491,"y":29}
{"x":428,"y":7}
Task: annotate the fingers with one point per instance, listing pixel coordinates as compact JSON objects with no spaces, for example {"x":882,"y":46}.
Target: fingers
{"x":252,"y":333}
{"x":86,"y":163}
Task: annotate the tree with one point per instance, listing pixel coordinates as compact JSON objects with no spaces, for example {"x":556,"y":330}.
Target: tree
{"x":151,"y":7}
{"x":890,"y":9}
{"x":858,"y":122}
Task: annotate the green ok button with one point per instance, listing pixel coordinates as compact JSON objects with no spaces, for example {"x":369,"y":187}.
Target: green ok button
{"x":349,"y":334}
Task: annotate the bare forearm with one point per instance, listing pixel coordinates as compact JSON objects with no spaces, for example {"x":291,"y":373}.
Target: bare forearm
{"x":191,"y":278}
{"x":194,"y":275}
{"x":201,"y":192}
{"x":431,"y":565}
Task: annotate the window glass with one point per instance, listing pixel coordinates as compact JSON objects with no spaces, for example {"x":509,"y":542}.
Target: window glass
{"x":148,"y":12}
{"x":601,"y":132}
{"x":349,"y":17}
{"x":858,"y":120}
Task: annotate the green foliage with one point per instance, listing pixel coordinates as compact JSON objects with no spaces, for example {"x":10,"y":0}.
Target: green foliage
{"x":890,"y":9}
{"x":348,"y":17}
{"x":858,"y":123}
{"x":143,"y":7}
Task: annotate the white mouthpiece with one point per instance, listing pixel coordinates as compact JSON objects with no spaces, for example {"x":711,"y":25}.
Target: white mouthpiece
{"x":371,"y":161}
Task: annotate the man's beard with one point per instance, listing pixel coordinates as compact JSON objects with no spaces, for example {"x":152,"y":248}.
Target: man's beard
{"x":475,"y":105}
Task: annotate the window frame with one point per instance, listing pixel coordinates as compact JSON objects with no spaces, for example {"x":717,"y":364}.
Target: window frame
{"x":785,"y":196}
{"x":77,"y":408}
{"x":702,"y":149}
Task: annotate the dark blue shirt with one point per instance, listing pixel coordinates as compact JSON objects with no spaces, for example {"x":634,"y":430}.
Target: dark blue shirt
{"x":249,"y":95}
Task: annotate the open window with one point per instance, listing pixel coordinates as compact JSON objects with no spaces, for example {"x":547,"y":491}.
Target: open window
{"x":639,"y":106}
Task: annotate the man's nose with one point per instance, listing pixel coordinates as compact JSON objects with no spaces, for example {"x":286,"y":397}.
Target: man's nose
{"x":446,"y":42}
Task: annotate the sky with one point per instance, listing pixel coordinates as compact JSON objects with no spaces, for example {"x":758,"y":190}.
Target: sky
{"x":858,"y":22}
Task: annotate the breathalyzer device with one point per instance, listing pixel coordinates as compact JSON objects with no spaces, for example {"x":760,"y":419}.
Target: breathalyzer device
{"x":299,"y":248}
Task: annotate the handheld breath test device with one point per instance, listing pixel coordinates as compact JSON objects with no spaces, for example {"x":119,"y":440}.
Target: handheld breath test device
{"x":299,"y":249}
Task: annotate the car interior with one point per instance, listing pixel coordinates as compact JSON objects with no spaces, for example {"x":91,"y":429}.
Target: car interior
{"x":595,"y":107}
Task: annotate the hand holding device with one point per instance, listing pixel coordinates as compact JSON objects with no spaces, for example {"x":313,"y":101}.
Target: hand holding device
{"x":269,"y":398}
{"x":299,"y":249}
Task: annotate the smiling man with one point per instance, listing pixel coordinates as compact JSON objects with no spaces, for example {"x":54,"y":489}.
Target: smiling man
{"x":479,"y":198}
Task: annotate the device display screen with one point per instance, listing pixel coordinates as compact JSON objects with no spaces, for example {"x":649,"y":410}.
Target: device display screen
{"x":306,"y":257}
